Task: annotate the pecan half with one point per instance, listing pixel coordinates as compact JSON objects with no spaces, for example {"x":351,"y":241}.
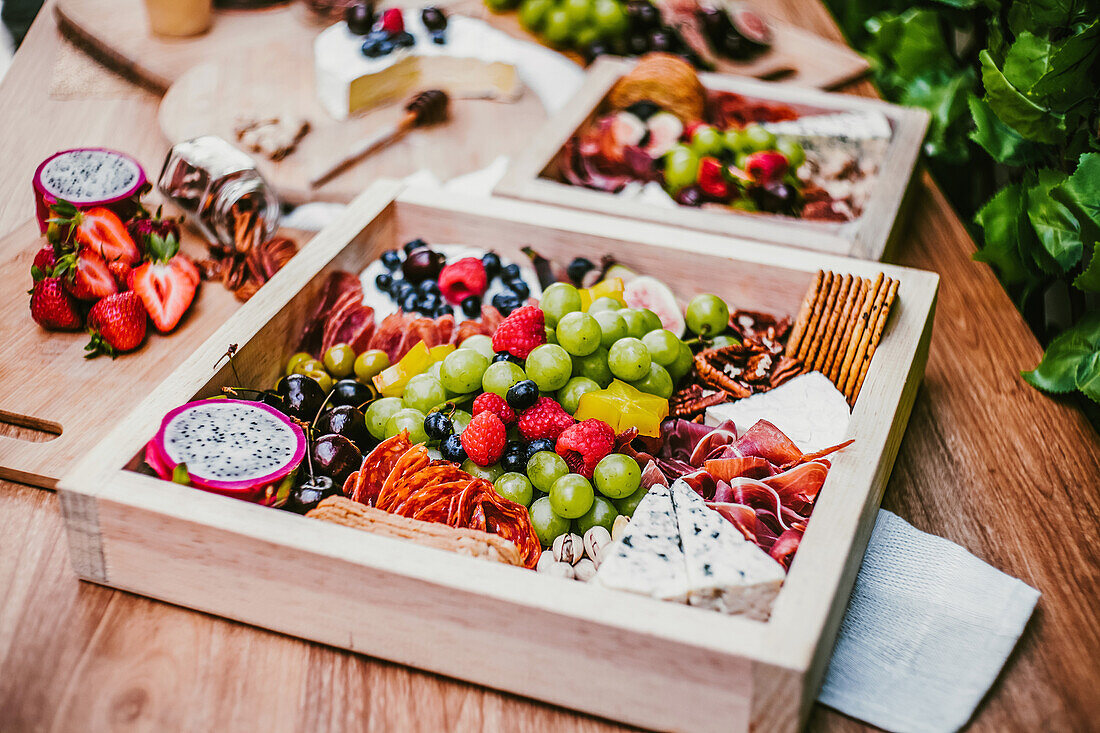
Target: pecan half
{"x":694,"y":400}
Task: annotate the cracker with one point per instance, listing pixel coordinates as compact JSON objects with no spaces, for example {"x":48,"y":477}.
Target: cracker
{"x":828,"y":288}
{"x":849,"y":376}
{"x":876,"y":337}
{"x":858,"y":326}
{"x":816,"y":358}
{"x":799,"y":327}
{"x":844,"y":327}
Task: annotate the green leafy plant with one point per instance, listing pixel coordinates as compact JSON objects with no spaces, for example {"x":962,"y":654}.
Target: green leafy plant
{"x":1012,"y":87}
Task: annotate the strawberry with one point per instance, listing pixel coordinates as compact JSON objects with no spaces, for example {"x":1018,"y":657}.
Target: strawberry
{"x":484,"y":438}
{"x":766,"y":166}
{"x":117,"y":324}
{"x":167,"y":283}
{"x":711,"y":179}
{"x":99,"y":229}
{"x":123,"y":275}
{"x":85,"y":274}
{"x":143,"y":226}
{"x":52,"y":307}
{"x":585,"y":444}
{"x":45,"y":260}
{"x":545,"y":420}
{"x":521,"y":331}
{"x":463,"y":279}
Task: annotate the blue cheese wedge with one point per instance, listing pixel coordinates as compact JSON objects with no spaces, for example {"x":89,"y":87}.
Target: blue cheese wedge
{"x":725,"y":572}
{"x":648,"y":559}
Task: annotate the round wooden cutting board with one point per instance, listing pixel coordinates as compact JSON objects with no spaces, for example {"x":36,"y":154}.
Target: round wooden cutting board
{"x":276,"y":80}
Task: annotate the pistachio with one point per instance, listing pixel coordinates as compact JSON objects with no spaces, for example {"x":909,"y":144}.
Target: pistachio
{"x":561,"y":569}
{"x":568,"y":548}
{"x":619,"y":527}
{"x":585,"y":570}
{"x":546,"y":559}
{"x":596,"y":541}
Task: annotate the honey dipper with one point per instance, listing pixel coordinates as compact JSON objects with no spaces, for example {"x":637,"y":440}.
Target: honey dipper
{"x":426,"y":108}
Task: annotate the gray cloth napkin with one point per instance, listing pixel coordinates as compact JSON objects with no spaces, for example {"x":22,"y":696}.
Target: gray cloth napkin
{"x":927,"y":630}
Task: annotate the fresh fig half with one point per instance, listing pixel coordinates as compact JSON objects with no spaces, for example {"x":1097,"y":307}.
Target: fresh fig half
{"x":649,"y":292}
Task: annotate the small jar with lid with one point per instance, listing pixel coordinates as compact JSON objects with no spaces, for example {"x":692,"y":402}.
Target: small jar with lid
{"x":218,"y":186}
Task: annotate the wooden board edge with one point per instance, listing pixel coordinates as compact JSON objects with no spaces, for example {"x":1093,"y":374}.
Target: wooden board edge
{"x":130,"y":69}
{"x":80,"y":514}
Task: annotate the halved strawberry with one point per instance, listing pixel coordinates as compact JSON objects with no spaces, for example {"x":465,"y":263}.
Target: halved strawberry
{"x":85,"y":274}
{"x":766,"y":166}
{"x":99,"y":229}
{"x":166,"y":284}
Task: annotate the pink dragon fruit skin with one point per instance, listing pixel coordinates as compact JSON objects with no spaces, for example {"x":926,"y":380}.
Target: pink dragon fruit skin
{"x":88,"y":177}
{"x":202,"y":414}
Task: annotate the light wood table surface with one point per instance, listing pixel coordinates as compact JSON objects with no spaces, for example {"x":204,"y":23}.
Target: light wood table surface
{"x":987,"y":462}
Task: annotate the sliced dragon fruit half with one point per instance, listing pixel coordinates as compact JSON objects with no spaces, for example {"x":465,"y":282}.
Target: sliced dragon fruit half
{"x":87,"y":177}
{"x":231,"y":447}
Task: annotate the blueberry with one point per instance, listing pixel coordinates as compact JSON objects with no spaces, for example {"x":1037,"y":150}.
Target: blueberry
{"x":522,"y":395}
{"x":506,"y":302}
{"x":647,"y":16}
{"x":401,"y":290}
{"x":637,"y":45}
{"x":433,"y":18}
{"x":452,"y":449}
{"x":410,"y":302}
{"x":514,"y":460}
{"x":661,"y":41}
{"x":511,"y":272}
{"x":414,"y":244}
{"x":520,"y":289}
{"x":438,"y":426}
{"x":643,"y":110}
{"x":429,"y":303}
{"x":373,"y":49}
{"x":578,"y":268}
{"x":439,"y":37}
{"x":428,"y":286}
{"x":596,"y":50}
{"x":384,"y":281}
{"x":539,"y":445}
{"x":386,"y":47}
{"x":391,"y":259}
{"x":443,"y":310}
{"x":471,"y":307}
{"x":505,"y":356}
{"x":404,"y":39}
{"x":491,"y":261}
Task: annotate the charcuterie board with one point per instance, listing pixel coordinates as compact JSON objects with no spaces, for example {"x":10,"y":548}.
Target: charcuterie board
{"x":584,"y":646}
{"x":63,"y":402}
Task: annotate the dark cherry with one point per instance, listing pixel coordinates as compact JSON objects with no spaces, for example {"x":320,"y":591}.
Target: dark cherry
{"x":638,"y":44}
{"x":539,"y":445}
{"x":299,"y":396}
{"x":776,"y":197}
{"x":522,"y":395}
{"x":309,"y":495}
{"x":423,"y":264}
{"x":360,"y":18}
{"x":579,"y":267}
{"x":689,"y":196}
{"x":336,"y":457}
{"x":350,"y":392}
{"x":433,"y":18}
{"x":646,"y":16}
{"x":595,"y":50}
{"x":344,"y":420}
{"x":662,"y":41}
{"x":471,"y":307}
{"x":452,"y":449}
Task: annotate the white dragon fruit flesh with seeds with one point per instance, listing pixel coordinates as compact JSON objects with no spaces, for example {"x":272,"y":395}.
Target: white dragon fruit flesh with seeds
{"x":88,"y":177}
{"x":232,"y":447}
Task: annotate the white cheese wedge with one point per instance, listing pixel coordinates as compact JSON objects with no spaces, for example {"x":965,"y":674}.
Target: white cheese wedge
{"x":725,"y":571}
{"x":809,"y":409}
{"x":840,"y":125}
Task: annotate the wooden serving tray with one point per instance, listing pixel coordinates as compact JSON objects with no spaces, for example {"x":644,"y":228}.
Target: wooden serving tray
{"x":532,"y":175}
{"x":620,"y":656}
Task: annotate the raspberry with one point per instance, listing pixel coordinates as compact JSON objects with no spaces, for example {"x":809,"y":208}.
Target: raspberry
{"x":463,"y":279}
{"x":484,"y":439}
{"x":521,"y":332}
{"x":546,"y":419}
{"x":711,"y":179}
{"x":586,"y":444}
{"x":494,"y":403}
{"x":393,"y":21}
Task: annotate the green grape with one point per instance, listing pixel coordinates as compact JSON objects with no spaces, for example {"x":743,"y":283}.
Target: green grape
{"x":594,"y":366}
{"x":681,"y":167}
{"x":489,"y":473}
{"x":612,"y":327}
{"x":604,"y":303}
{"x":423,"y":392}
{"x":295,"y":361}
{"x":500,"y":376}
{"x":578,"y":11}
{"x":558,"y":27}
{"x":792,"y":150}
{"x":460,"y":419}
{"x":322,"y":378}
{"x":635,"y":322}
{"x":720,"y":341}
{"x":549,"y":366}
{"x":462,"y":369}
{"x":544,"y":468}
{"x":629,"y":359}
{"x":435,"y":370}
{"x":379,"y":413}
{"x":602,"y":513}
{"x":371,"y":363}
{"x":548,"y":525}
{"x":481,"y":344}
{"x":737,"y":141}
{"x":657,"y":382}
{"x":585,"y":36}
{"x":663,"y":346}
{"x":706,"y":140}
{"x":557,"y":300}
{"x":759,"y":138}
{"x":500,"y":6}
{"x":407,"y":419}
{"x":309,"y":365}
{"x":744,"y":204}
{"x":610,"y":18}
{"x":551,"y":335}
{"x":533,"y":12}
{"x":571,"y":496}
{"x":569,"y":396}
{"x":707,"y":315}
{"x":339,"y":360}
{"x":684,"y":361}
{"x":629,"y":504}
{"x":579,"y":333}
{"x":617,"y":476}
{"x":514,"y":487}
{"x":652,"y":321}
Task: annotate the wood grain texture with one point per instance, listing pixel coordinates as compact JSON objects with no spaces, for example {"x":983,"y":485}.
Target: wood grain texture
{"x":987,"y":462}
